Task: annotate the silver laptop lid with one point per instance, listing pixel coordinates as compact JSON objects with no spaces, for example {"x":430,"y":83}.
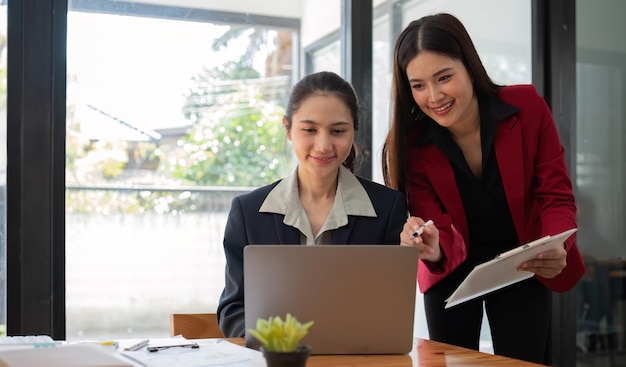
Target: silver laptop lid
{"x":361,"y":297}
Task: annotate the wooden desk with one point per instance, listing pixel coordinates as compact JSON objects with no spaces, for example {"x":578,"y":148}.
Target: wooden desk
{"x":425,"y":353}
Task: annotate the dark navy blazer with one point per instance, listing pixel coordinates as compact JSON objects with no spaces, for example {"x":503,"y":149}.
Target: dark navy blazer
{"x":246,"y":225}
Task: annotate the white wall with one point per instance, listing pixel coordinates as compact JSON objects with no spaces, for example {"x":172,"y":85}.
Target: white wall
{"x":319,"y":18}
{"x":282,"y":8}
{"x":497,"y":21}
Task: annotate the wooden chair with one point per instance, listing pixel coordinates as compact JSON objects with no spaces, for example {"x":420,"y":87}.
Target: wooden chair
{"x":195,"y":325}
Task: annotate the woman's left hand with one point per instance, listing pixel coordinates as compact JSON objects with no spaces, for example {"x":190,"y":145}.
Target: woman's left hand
{"x":547,"y":264}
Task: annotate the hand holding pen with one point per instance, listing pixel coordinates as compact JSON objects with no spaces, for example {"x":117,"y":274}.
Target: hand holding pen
{"x":427,"y":241}
{"x":420,"y":230}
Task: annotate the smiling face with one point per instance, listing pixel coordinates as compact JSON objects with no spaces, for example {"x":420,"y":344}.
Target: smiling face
{"x":321,"y":133}
{"x":443,"y":90}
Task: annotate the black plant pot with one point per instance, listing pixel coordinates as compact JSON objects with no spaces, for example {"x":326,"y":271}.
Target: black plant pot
{"x":287,"y":359}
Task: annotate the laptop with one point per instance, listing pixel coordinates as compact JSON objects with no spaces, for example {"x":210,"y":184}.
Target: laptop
{"x":361,"y":298}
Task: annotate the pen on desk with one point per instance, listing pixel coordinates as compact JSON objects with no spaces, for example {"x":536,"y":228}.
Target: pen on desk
{"x":137,"y":346}
{"x":420,"y":230}
{"x":111,"y":343}
{"x":188,"y":345}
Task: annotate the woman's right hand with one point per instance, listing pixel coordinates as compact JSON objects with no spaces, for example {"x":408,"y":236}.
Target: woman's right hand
{"x":427,"y":243}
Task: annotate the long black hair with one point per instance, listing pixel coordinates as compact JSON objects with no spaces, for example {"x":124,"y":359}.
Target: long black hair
{"x":443,"y":34}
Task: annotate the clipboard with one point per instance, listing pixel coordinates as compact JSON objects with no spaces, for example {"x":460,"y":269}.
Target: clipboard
{"x":502,"y":271}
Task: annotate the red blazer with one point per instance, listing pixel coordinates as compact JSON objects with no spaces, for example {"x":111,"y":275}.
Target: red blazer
{"x":535,"y":178}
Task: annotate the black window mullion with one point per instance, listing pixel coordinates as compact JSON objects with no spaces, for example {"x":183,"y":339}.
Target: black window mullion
{"x":356,"y":66}
{"x":36,"y":167}
{"x":554,"y":74}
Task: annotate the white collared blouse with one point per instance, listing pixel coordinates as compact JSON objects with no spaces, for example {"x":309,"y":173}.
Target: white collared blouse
{"x":350,"y":199}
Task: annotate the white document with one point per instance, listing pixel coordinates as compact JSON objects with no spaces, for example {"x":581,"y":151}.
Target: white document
{"x":212,"y":352}
{"x":502,"y":271}
{"x":76,"y":355}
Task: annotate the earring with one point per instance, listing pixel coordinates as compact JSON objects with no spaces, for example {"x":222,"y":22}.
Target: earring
{"x":416,"y":113}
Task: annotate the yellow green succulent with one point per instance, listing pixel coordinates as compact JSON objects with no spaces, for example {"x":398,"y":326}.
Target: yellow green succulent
{"x":277,"y":335}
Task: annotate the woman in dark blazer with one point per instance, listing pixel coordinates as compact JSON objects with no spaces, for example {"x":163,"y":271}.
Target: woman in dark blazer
{"x":485,"y":164}
{"x":321,"y":203}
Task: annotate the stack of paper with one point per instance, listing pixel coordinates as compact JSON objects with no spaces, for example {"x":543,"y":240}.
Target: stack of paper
{"x":74,"y":355}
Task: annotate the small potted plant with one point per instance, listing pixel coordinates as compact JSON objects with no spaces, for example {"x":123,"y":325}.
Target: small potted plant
{"x":280,"y":341}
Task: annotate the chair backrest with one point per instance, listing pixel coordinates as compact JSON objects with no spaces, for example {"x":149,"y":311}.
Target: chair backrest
{"x":195,"y":325}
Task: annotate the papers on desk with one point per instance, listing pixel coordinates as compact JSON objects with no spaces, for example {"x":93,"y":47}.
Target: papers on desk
{"x":502,"y":271}
{"x":212,"y":352}
{"x":76,"y":355}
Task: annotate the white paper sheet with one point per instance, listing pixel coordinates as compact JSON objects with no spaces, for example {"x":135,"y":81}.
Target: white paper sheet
{"x":77,"y":355}
{"x":212,"y":353}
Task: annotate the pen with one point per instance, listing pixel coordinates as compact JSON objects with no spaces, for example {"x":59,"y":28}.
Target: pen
{"x":137,"y":346}
{"x":189,"y":345}
{"x":420,"y":230}
{"x":110,"y":343}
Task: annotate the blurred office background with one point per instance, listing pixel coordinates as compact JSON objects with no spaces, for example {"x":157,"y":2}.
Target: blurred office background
{"x":127,"y":127}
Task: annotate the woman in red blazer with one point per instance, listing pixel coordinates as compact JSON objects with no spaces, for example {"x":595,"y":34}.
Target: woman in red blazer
{"x":485,"y":164}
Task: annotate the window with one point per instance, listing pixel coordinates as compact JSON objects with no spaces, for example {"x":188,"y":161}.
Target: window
{"x":171,"y":112}
{"x":600,"y":182}
{"x":324,"y":55}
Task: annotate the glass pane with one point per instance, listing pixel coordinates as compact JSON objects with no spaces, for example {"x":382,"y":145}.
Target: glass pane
{"x":506,"y":55}
{"x":325,"y":58}
{"x":321,"y":22}
{"x":3,"y":164}
{"x":601,"y":178}
{"x":382,"y":48}
{"x":168,"y":119}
